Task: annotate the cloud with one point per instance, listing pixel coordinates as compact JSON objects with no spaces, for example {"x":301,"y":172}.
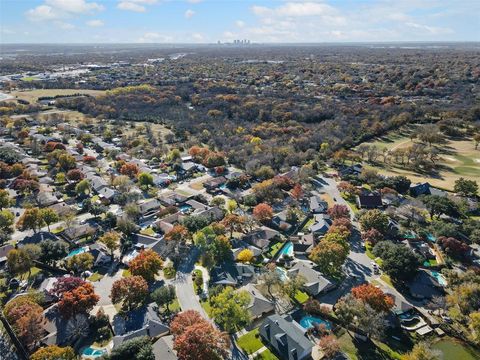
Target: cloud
{"x":189,"y":13}
{"x":197,"y":37}
{"x":135,"y":5}
{"x":64,"y":25}
{"x":240,"y":23}
{"x":95,"y":23}
{"x":154,"y":37}
{"x":61,"y":9}
{"x":194,"y":1}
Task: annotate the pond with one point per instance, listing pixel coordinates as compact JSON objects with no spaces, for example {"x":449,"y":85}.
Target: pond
{"x":453,"y":349}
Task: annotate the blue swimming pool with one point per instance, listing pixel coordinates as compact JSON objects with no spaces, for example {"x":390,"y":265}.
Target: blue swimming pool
{"x":287,"y":249}
{"x":89,"y":351}
{"x":77,"y":251}
{"x":431,"y":238}
{"x":439,"y":277}
{"x":308,"y":322}
{"x":185,"y":208}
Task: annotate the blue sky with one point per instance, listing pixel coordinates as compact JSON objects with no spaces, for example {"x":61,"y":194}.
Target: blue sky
{"x":206,"y":21}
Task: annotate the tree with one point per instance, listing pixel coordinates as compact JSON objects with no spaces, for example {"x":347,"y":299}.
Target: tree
{"x":83,"y":187}
{"x":373,"y":296}
{"x":231,"y":206}
{"x":438,"y":205}
{"x":52,"y":250}
{"x":453,"y":247}
{"x":466,"y":187}
{"x":111,"y":240}
{"x":374,"y":219}
{"x":184,"y":320}
{"x":229,"y":308}
{"x":201,"y":341}
{"x":139,"y":348}
{"x":476,"y":140}
{"x":132,"y":291}
{"x":264,"y":173}
{"x":399,"y":262}
{"x":126,"y":226}
{"x":293,"y":285}
{"x":233,"y":222}
{"x":329,"y":256}
{"x":147,"y":264}
{"x":66,"y":162}
{"x":164,"y":296}
{"x":297,"y":192}
{"x":30,"y":219}
{"x":422,"y":351}
{"x":179,"y":233}
{"x":65,"y":284}
{"x":80,"y":300}
{"x":474,"y":326}
{"x":5,"y":200}
{"x":372,"y":236}
{"x":19,"y":261}
{"x":7,"y":219}
{"x":339,"y":211}
{"x":145,"y":180}
{"x":27,"y":323}
{"x":75,"y":175}
{"x":329,"y":345}
{"x":466,"y":296}
{"x":79,"y":263}
{"x":131,"y":170}
{"x":218,"y":201}
{"x":49,"y":216}
{"x":263,"y":213}
{"x":272,"y":280}
{"x":245,"y":256}
{"x":54,"y":352}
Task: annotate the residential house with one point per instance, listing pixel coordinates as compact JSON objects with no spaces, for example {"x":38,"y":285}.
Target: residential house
{"x":420,"y":189}
{"x":4,"y":250}
{"x":259,"y":305}
{"x":149,"y":207}
{"x":317,"y":205}
{"x":233,"y":274}
{"x":214,"y":184}
{"x":77,"y":232}
{"x":321,"y":225}
{"x":286,"y":338}
{"x":38,"y":238}
{"x":163,"y":348}
{"x":159,"y":245}
{"x":370,"y":200}
{"x":261,"y":238}
{"x":315,"y":283}
{"x":136,"y":323}
{"x":280,"y":220}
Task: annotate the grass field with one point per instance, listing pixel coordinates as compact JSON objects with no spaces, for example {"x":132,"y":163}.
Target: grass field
{"x":458,"y":158}
{"x":33,"y":95}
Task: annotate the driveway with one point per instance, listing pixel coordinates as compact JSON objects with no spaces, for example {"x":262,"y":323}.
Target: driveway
{"x":104,"y":286}
{"x":183,"y":282}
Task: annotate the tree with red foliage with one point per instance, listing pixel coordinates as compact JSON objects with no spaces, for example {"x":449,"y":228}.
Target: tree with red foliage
{"x":78,"y":301}
{"x":89,"y":159}
{"x":373,"y":296}
{"x":66,"y":283}
{"x":329,"y":345}
{"x":75,"y":175}
{"x":283,"y":182}
{"x":147,"y":264}
{"x":297,"y":192}
{"x":184,"y":320}
{"x":342,"y":223}
{"x":179,"y":233}
{"x":25,"y":186}
{"x":129,"y":169}
{"x":52,"y":145}
{"x":263,"y":212}
{"x":453,"y":247}
{"x":372,"y":236}
{"x":201,"y":341}
{"x":132,"y":291}
{"x":79,"y":147}
{"x":339,"y":211}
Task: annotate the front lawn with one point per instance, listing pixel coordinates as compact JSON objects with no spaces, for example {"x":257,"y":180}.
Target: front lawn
{"x":250,"y":342}
{"x":207,"y":307}
{"x":95,"y":277}
{"x":266,"y":355}
{"x":126,"y":273}
{"x":148,"y":231}
{"x":274,"y":248}
{"x":301,"y":297}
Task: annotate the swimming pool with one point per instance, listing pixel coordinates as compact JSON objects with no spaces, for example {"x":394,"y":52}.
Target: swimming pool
{"x":89,"y":351}
{"x":308,"y":322}
{"x":77,"y":251}
{"x":439,"y":277}
{"x":185,"y":208}
{"x":287,"y":249}
{"x":431,"y":238}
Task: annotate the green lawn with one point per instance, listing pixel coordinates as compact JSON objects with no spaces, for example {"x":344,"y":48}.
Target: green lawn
{"x":387,"y":280}
{"x":274,"y":248}
{"x":148,"y":231}
{"x":301,"y":297}
{"x":95,"y":277}
{"x":250,"y":342}
{"x":207,"y":307}
{"x":376,"y":350}
{"x":309,"y":223}
{"x":266,"y":355}
{"x":126,"y":273}
{"x":33,"y":271}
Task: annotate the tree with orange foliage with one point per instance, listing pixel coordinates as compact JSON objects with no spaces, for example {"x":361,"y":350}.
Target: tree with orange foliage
{"x":185,"y":319}
{"x":129,"y":169}
{"x":179,"y":233}
{"x":373,"y":296}
{"x":297,"y":192}
{"x":329,"y":345}
{"x":132,"y":291}
{"x":339,"y":211}
{"x":233,"y":222}
{"x":78,"y":301}
{"x":147,"y":264}
{"x":200,"y":341}
{"x":263,"y":212}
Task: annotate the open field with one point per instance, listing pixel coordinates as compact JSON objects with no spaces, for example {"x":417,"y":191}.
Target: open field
{"x":458,"y":158}
{"x":33,"y":95}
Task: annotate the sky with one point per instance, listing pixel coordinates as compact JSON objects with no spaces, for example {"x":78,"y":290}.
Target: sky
{"x":263,"y":21}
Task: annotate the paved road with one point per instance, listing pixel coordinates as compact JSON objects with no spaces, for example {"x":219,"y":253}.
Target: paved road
{"x":183,"y":282}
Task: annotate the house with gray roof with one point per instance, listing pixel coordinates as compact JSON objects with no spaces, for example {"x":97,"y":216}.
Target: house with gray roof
{"x":259,"y":305}
{"x":321,"y":225}
{"x":261,"y":238}
{"x":286,"y":338}
{"x":163,"y":349}
{"x":315,"y":282}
